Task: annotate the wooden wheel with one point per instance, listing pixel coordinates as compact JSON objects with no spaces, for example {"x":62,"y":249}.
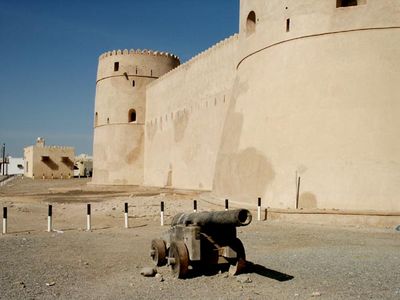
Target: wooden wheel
{"x":178,"y":258}
{"x":158,"y":252}
{"x":239,"y":264}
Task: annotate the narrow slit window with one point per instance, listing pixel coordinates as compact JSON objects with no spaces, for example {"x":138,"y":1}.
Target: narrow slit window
{"x":251,"y":23}
{"x":346,"y":3}
{"x":96,"y":118}
{"x":132,"y":115}
{"x":133,"y":83}
{"x":108,"y":120}
{"x":287,"y":25}
{"x":116,"y":66}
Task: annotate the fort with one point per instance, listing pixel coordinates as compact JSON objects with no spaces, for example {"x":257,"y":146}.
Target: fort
{"x":301,"y":108}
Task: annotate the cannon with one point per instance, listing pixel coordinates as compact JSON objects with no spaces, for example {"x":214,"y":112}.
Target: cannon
{"x":202,"y":239}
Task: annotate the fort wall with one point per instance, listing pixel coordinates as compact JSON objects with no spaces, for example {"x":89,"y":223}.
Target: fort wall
{"x":185,"y":113}
{"x":319,"y":102}
{"x":300,"y":108}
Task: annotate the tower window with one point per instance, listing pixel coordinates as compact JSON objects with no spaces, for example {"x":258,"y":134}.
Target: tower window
{"x":132,"y":115}
{"x":108,"y":120}
{"x":345,"y":3}
{"x":96,"y":117}
{"x":287,"y":25}
{"x":116,"y":66}
{"x":133,"y":82}
{"x":251,"y":23}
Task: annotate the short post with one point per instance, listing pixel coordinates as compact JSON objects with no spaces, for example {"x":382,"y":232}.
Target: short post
{"x":298,"y":192}
{"x":4,"y":220}
{"x":49,"y":218}
{"x":226,"y":204}
{"x":126,"y":215}
{"x":259,"y":209}
{"x":88,"y":220}
{"x":162,"y":213}
{"x":194,"y":205}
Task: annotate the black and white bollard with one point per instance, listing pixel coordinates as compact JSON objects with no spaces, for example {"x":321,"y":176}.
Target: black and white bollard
{"x":226,"y":204}
{"x":162,"y":213}
{"x":88,"y":218}
{"x":49,"y":218}
{"x":4,"y":220}
{"x":126,"y":216}
{"x":194,"y":205}
{"x":259,"y":209}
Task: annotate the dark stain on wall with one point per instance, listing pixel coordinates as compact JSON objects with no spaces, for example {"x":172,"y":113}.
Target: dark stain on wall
{"x":169,"y":177}
{"x":151,"y":130}
{"x":308,"y":200}
{"x":242,"y":173}
{"x":134,"y":154}
{"x":180,"y":124}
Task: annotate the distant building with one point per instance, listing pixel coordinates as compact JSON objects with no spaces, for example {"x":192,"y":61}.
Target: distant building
{"x":49,"y":162}
{"x":15,"y":166}
{"x":83,"y":166}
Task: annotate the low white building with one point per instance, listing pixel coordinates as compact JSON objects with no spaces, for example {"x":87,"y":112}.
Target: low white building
{"x":15,"y":165}
{"x":83,"y":166}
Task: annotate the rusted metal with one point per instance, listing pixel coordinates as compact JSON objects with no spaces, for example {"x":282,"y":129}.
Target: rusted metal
{"x":158,"y":252}
{"x":178,"y":259}
{"x":238,"y":217}
{"x":206,"y":237}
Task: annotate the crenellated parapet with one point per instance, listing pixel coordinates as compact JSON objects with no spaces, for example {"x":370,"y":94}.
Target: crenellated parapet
{"x":60,"y":147}
{"x":137,"y":52}
{"x":144,"y":63}
{"x":203,"y":54}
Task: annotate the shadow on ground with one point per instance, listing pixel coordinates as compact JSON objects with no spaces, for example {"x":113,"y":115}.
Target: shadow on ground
{"x":263,"y":271}
{"x":251,"y":268}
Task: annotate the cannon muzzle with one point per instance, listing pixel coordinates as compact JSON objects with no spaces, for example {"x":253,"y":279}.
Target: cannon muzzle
{"x":238,"y":217}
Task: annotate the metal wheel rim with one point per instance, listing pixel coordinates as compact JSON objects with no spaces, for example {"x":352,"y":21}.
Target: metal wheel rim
{"x":179,"y":253}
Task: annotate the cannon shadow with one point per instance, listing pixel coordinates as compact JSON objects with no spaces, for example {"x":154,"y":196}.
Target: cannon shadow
{"x":251,"y":268}
{"x":263,"y":271}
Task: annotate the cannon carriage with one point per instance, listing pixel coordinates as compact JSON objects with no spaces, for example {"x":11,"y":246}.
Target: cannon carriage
{"x":202,"y":239}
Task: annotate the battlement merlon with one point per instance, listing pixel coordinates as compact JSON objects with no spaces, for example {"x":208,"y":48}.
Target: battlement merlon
{"x":137,"y":52}
{"x":138,"y":63}
{"x":234,"y":38}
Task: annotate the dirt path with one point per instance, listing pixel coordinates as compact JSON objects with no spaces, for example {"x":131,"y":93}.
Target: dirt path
{"x":290,"y":261}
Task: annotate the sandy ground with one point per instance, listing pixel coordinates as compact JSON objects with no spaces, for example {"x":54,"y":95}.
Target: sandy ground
{"x":288,"y":261}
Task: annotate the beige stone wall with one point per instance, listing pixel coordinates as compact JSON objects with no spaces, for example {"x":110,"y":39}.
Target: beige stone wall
{"x":320,"y":102}
{"x":49,"y":162}
{"x":118,"y":143}
{"x":307,"y":90}
{"x":184,"y":118}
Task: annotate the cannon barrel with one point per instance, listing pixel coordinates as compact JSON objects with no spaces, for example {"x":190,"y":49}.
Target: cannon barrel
{"x":238,"y":217}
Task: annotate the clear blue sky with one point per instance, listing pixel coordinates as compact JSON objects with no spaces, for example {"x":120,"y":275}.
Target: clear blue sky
{"x":49,"y":51}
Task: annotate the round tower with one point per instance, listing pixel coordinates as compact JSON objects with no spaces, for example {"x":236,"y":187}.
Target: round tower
{"x":317,"y":89}
{"x":119,"y":116}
